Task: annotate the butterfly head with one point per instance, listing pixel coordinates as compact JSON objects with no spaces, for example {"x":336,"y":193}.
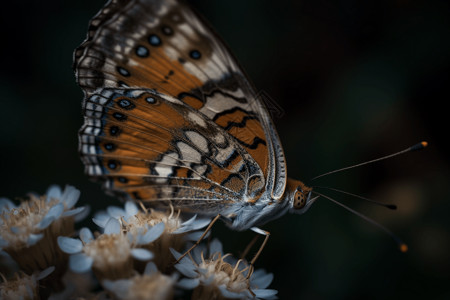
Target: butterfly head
{"x":299,"y":196}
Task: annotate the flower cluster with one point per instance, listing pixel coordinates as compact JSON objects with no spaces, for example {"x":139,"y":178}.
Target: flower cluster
{"x":133,"y":254}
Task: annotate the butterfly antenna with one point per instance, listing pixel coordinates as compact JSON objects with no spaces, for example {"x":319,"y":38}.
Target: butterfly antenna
{"x":390,"y":206}
{"x":416,"y":147}
{"x":401,"y":245}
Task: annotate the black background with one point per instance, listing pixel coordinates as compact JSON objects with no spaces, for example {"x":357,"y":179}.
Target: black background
{"x":356,"y":80}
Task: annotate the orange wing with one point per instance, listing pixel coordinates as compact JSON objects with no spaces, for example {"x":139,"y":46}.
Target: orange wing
{"x":164,"y":47}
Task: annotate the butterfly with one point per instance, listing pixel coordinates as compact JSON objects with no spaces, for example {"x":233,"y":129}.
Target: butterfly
{"x":170,"y":118}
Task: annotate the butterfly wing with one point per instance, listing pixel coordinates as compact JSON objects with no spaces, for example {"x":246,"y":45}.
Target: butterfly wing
{"x":161,"y":49}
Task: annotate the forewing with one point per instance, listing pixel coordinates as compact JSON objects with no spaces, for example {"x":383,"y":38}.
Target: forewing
{"x":163,"y":46}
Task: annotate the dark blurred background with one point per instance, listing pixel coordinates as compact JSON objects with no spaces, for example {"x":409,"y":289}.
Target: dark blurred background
{"x":356,"y":79}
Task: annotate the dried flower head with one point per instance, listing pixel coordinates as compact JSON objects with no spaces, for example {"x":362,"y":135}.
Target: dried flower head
{"x":23,"y":286}
{"x":221,"y":277}
{"x":151,"y":285}
{"x":29,"y":231}
{"x":138,"y":222}
{"x":110,"y":255}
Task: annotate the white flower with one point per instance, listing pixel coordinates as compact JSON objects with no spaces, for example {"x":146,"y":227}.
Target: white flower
{"x":137,"y":224}
{"x":23,"y":286}
{"x":29,"y":231}
{"x":221,"y":277}
{"x":134,"y":219}
{"x":22,"y":226}
{"x":151,"y":285}
{"x":110,"y":255}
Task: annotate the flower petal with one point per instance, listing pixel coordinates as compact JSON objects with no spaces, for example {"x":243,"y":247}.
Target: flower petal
{"x":55,"y":211}
{"x":152,"y":234}
{"x":131,"y":208}
{"x":265,"y":294}
{"x":189,"y":222}
{"x":86,"y":235}
{"x":80,"y":263}
{"x":188,"y":283}
{"x":141,"y":254}
{"x":215,"y":247}
{"x":70,"y":196}
{"x":150,"y":268}
{"x":115,"y":212}
{"x":101,"y":218}
{"x":187,"y":269}
{"x":82,"y":215}
{"x":228,"y":294}
{"x":259,"y":280}
{"x":69,"y":245}
{"x":73,"y":212}
{"x":53,"y":192}
{"x":200,"y":223}
{"x":6,"y":205}
{"x":177,"y":255}
{"x":44,"y":223}
{"x":34,"y":238}
{"x":112,"y":226}
{"x":45,"y":273}
{"x":192,"y":224}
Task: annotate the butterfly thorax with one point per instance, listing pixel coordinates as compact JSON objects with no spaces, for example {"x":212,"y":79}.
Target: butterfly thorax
{"x":296,"y":199}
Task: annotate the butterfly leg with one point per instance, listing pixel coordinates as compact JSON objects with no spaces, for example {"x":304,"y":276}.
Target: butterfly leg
{"x":266,"y":235}
{"x":201,"y":238}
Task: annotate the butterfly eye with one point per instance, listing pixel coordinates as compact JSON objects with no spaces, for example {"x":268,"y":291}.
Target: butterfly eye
{"x":299,"y":199}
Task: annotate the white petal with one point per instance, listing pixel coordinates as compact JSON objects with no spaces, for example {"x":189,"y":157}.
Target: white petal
{"x":131,"y":208}
{"x":82,"y":215}
{"x":177,"y":255}
{"x":34,"y":238}
{"x":200,"y":223}
{"x":73,"y":212}
{"x":150,"y":268}
{"x":142,"y":254}
{"x":80,"y":263}
{"x":189,"y":222}
{"x":187,"y":269}
{"x":215,"y":247}
{"x":152,"y":234}
{"x":188,"y":283}
{"x":115,"y":212}
{"x":258,"y":230}
{"x":44,"y":223}
{"x":192,"y":224}
{"x":227,"y":294}
{"x":53,"y":192}
{"x":45,"y":273}
{"x":261,"y":281}
{"x":55,"y":211}
{"x":101,"y":218}
{"x":112,"y":226}
{"x":70,"y":196}
{"x":264,"y":294}
{"x":197,"y":253}
{"x":69,"y":245}
{"x":193,"y":236}
{"x":6,"y":205}
{"x":86,"y":235}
